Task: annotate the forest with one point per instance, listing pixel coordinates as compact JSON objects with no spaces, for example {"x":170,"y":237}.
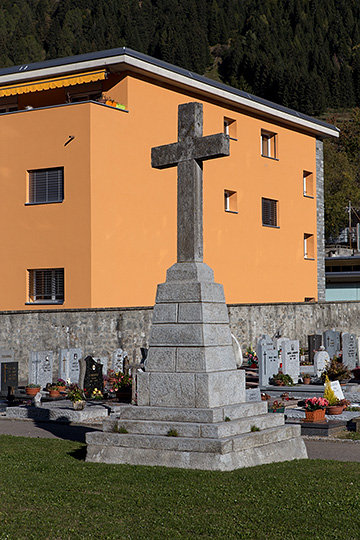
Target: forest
{"x":303,"y":54}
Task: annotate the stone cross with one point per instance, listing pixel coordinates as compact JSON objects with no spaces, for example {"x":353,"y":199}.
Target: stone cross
{"x":188,"y":154}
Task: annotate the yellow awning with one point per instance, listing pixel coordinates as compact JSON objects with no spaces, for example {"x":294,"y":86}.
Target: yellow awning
{"x":54,"y":82}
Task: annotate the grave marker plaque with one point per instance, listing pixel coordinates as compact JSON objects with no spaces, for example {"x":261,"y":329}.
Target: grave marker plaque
{"x":41,"y":368}
{"x":350,"y":351}
{"x":69,"y":367}
{"x":314,"y":344}
{"x":9,"y":376}
{"x":331,"y":340}
{"x":268,"y":359}
{"x":118,"y":359}
{"x":290,"y":357}
{"x":93,"y":376}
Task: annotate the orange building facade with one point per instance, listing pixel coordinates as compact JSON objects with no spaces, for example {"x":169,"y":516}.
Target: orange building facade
{"x":86,"y":222}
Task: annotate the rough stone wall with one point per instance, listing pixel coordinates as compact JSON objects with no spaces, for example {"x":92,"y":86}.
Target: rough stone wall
{"x":100,"y":331}
{"x":320,"y":216}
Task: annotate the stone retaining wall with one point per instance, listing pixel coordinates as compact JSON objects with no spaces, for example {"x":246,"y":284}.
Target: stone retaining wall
{"x":100,"y":331}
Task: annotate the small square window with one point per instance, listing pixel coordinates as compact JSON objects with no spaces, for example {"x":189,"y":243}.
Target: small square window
{"x":309,"y":246}
{"x":230,"y":127}
{"x":46,"y":286}
{"x":230,"y":201}
{"x":308,"y":184}
{"x":268,"y":144}
{"x":46,"y":185}
{"x":269,"y":212}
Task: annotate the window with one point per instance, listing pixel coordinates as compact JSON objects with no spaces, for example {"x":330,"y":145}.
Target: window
{"x":230,"y":200}
{"x":308,"y":246}
{"x":269,"y":212}
{"x":268,"y":144}
{"x":230,"y":127}
{"x":308,"y":184}
{"x":46,"y":286}
{"x":46,"y":185}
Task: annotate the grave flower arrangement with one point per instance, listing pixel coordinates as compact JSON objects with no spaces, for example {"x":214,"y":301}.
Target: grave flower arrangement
{"x":283,"y":379}
{"x":32,"y":385}
{"x":336,"y":371}
{"x":75,"y":393}
{"x":122,"y":382}
{"x":277,"y":407}
{"x":251,"y":358}
{"x":314,"y":404}
{"x":97,"y":394}
{"x":61,"y":383}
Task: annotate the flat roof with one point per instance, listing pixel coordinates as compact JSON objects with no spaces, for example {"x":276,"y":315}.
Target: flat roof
{"x":120,"y":59}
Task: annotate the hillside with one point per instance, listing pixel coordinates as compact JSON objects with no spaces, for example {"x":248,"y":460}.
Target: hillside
{"x":303,"y":54}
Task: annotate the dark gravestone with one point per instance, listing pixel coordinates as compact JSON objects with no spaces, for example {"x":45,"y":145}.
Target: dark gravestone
{"x":9,"y":376}
{"x":93,"y":376}
{"x":314,"y":342}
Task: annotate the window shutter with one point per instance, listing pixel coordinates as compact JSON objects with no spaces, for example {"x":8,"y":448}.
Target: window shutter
{"x":46,"y":185}
{"x":269,"y":212}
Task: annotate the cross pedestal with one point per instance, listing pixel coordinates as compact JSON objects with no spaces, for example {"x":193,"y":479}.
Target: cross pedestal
{"x":191,"y":387}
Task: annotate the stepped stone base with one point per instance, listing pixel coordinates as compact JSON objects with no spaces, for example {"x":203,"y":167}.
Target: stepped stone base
{"x":208,"y":439}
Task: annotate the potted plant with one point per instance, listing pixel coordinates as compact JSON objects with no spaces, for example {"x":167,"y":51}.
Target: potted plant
{"x":282,"y":379}
{"x":315,"y":409}
{"x":251,"y":358}
{"x":61,"y":384}
{"x":306,"y":377}
{"x":276,"y":407}
{"x":53,"y":390}
{"x":335,"y":405}
{"x":123,"y":387}
{"x":32,"y":389}
{"x":336,"y":371}
{"x":77,"y":397}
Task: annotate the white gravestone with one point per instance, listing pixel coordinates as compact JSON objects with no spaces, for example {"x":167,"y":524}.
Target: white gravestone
{"x":331,"y":341}
{"x":279,"y":345}
{"x":253,"y":394}
{"x":41,"y":368}
{"x":69,"y":367}
{"x":321,"y":361}
{"x":350,"y":350}
{"x":268,"y":359}
{"x":335,"y":385}
{"x":104,"y":362}
{"x":118,"y":359}
{"x":290,"y":358}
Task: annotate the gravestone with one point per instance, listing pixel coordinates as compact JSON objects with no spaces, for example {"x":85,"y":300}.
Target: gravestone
{"x":290,"y":359}
{"x":69,"y":367}
{"x":103,"y":360}
{"x":41,"y":368}
{"x":118,"y":358}
{"x":93,"y":376}
{"x":335,"y":385}
{"x":6,"y":357}
{"x":9,"y":376}
{"x":350,"y":350}
{"x":331,"y":340}
{"x":314,"y":344}
{"x":253,"y":394}
{"x":268,"y":359}
{"x":191,"y":383}
{"x":321,"y":361}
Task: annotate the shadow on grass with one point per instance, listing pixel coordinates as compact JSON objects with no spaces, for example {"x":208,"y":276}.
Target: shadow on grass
{"x":79,"y":453}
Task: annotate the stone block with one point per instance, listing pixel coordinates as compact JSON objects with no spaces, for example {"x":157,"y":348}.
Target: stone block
{"x":190,"y":271}
{"x":173,"y":292}
{"x":143,"y":388}
{"x":146,"y":427}
{"x":219,"y":389}
{"x":172,"y":390}
{"x":161,"y":359}
{"x":217,"y":334}
{"x":176,"y":334}
{"x":165,"y":313}
{"x":205,"y":359}
{"x":240,"y":426}
{"x":266,"y":437}
{"x":167,"y":414}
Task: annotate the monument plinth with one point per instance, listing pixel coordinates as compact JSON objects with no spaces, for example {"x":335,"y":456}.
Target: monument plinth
{"x":192,"y":389}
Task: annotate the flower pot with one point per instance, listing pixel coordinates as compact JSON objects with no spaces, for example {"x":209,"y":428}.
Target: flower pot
{"x":79,"y":405}
{"x":315,"y":416}
{"x":279,"y":383}
{"x":124,"y":396}
{"x":278,"y":410}
{"x":306,"y":380}
{"x":54,"y":393}
{"x":32,"y":391}
{"x":334,"y":409}
{"x":61,"y":388}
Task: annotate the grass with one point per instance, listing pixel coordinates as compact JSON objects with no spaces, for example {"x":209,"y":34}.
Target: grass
{"x":48,"y":492}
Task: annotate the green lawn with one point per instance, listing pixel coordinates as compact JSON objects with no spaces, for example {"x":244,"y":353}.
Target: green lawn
{"x":47,"y":491}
